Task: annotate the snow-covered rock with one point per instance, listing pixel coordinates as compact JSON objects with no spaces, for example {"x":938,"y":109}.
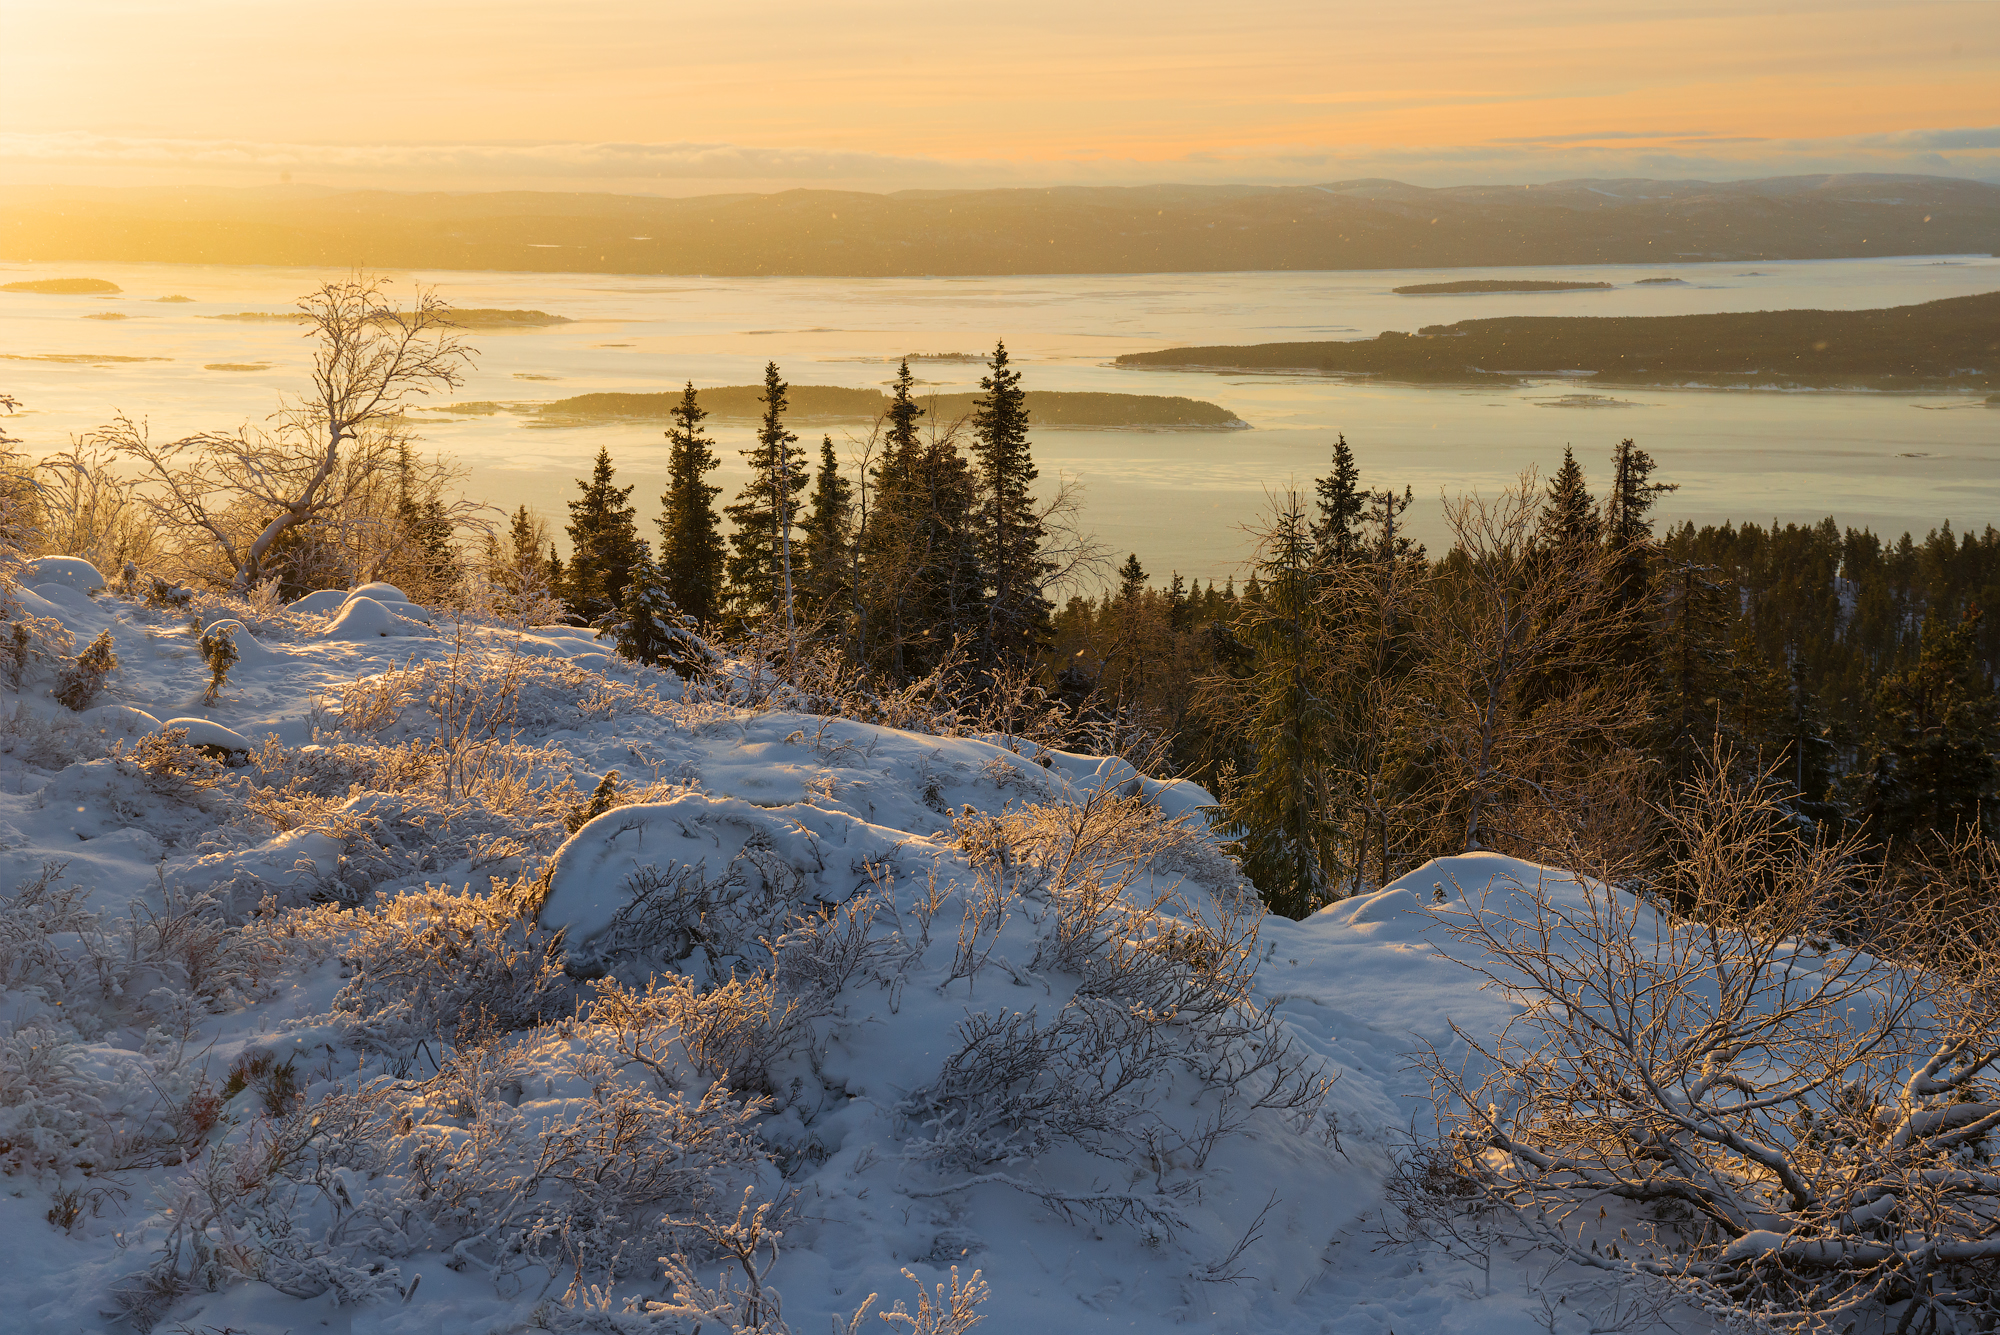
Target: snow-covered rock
{"x":363,"y":618}
{"x":203,"y":732}
{"x":122,"y":720}
{"x":380,"y":591}
{"x":589,"y":878}
{"x":71,"y":571}
{"x":63,"y":596}
{"x":319,"y":603}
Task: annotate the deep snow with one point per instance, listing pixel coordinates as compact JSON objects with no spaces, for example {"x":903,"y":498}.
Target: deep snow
{"x":836,"y":802}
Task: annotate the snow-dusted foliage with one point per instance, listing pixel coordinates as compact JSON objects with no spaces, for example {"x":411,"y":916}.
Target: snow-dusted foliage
{"x":475,"y":978}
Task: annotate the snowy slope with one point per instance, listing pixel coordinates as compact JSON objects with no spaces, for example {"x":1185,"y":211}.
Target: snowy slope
{"x":777,"y":818}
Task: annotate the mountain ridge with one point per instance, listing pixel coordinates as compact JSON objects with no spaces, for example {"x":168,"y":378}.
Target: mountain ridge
{"x":1361,"y":224}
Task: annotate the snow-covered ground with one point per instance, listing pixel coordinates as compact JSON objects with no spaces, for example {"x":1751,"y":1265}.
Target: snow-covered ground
{"x":893,"y":888}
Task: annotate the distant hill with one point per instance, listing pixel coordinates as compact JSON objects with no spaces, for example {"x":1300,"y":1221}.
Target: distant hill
{"x":1480,"y":285}
{"x":1048,"y":408}
{"x":1951,"y":343}
{"x":1167,"y":228}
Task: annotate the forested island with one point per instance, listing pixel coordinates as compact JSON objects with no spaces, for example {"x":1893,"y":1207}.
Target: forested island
{"x":1952,"y":343}
{"x":64,"y":287}
{"x":838,"y":403}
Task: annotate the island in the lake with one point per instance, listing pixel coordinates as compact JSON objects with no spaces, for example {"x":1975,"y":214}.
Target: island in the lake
{"x":1948,"y":344}
{"x":1479,"y":285}
{"x":65,"y":287}
{"x":1046,"y":408}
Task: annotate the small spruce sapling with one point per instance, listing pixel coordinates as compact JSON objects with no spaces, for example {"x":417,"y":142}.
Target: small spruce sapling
{"x":79,"y":682}
{"x":602,"y":799}
{"x":218,"y":650}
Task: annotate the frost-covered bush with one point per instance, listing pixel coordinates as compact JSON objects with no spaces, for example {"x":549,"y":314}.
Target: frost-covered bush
{"x":45,"y":743}
{"x":26,"y":640}
{"x":1161,"y":988}
{"x":529,"y":1159}
{"x":219,"y":651}
{"x":436,"y":963}
{"x":79,"y":682}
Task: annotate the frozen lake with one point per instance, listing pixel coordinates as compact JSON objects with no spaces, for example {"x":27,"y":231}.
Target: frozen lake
{"x":1179,"y":499}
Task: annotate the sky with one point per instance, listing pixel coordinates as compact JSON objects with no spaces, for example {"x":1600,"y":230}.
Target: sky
{"x":677,"y":98}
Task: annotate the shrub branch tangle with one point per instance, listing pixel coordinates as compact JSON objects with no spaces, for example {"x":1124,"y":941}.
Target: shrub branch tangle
{"x":1805,"y":1121}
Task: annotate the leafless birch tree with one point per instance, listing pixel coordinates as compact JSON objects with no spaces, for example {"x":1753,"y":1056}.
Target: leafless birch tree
{"x":1521,"y":714}
{"x":238,"y":493}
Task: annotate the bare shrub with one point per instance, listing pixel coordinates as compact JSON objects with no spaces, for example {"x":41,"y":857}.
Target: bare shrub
{"x":439,"y":961}
{"x":736,"y":1032}
{"x":78,"y":684}
{"x":1163,"y":985}
{"x":88,"y":510}
{"x":1801,"y":1123}
{"x":235,"y":1214}
{"x":48,"y":743}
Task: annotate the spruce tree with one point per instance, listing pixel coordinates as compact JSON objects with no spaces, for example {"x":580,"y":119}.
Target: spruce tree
{"x":425,"y":561}
{"x":1016,"y":620}
{"x":515,"y":567}
{"x":1628,"y":533}
{"x":1278,"y":815}
{"x":554,"y":574}
{"x":1569,"y":521}
{"x":766,"y":511}
{"x":1131,"y":578}
{"x":604,"y":543}
{"x":922,"y":576}
{"x":1336,"y":533}
{"x":827,"y":529}
{"x":691,"y":547}
{"x":648,"y":628}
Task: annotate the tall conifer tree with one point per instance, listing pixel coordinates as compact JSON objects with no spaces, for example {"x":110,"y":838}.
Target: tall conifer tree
{"x":1336,"y":533}
{"x":604,"y":543}
{"x":766,"y":510}
{"x":1628,"y":533}
{"x":1278,"y":815}
{"x":1569,"y":520}
{"x":1017,"y":614}
{"x":691,"y":547}
{"x":827,"y":530}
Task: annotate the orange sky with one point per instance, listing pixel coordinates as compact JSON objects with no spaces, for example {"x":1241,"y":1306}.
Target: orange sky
{"x":682,"y":98}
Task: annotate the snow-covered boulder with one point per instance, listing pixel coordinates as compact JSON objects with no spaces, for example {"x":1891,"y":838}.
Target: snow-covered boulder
{"x":67,"y":599}
{"x":381,"y":592}
{"x":119,"y":720}
{"x":319,"y":603}
{"x":409,"y":611}
{"x":366,"y":619}
{"x":71,"y":571}
{"x":590,"y":879}
{"x":210,"y":736}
